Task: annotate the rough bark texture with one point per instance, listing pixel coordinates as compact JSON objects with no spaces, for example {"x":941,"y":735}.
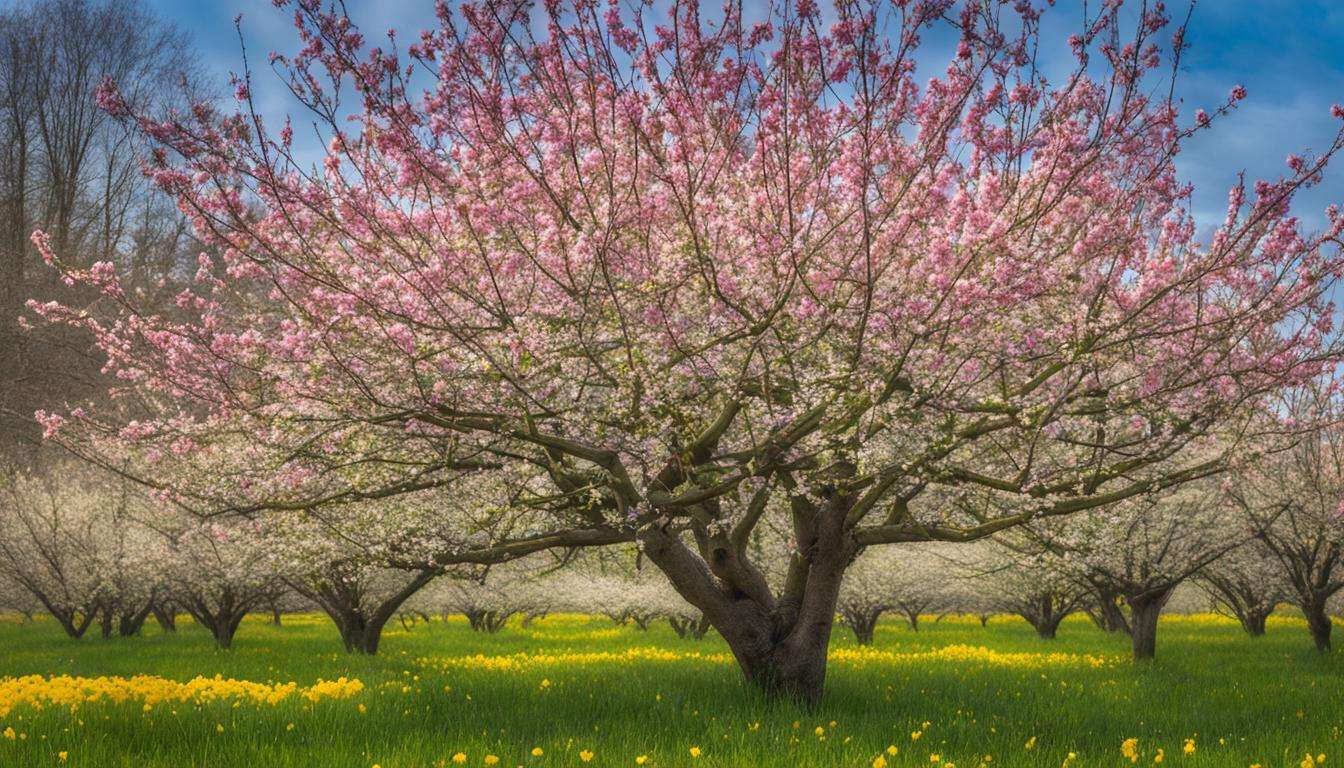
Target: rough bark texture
{"x":1319,"y":625}
{"x":779,"y":643}
{"x":1145,"y":609}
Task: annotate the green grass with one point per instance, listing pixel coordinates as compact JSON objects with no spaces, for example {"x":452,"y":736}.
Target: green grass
{"x":1244,"y":701}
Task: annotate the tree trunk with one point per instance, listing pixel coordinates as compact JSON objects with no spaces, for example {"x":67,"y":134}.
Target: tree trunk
{"x":166,"y":616}
{"x":359,"y":635}
{"x":1144,"y":611}
{"x":1254,"y":622}
{"x":1319,"y":625}
{"x":1046,"y":628}
{"x":105,"y":622}
{"x":130,"y":624}
{"x":863,"y":623}
{"x":275,"y":615}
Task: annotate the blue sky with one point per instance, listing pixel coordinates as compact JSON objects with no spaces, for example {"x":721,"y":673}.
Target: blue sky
{"x":1289,"y":54}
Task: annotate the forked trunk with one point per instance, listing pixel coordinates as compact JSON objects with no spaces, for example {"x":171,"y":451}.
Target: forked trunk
{"x":360,"y":636}
{"x":166,"y":616}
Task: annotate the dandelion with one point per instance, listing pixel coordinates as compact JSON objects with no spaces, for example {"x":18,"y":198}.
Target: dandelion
{"x":914,"y":735}
{"x":219,"y":727}
{"x":879,"y":762}
{"x":1189,"y":747}
{"x":695,"y":751}
{"x":289,"y":727}
{"x":819,"y":730}
{"x":642,"y":759}
{"x":892,"y":750}
{"x":1159,"y":756}
{"x":62,"y":755}
{"x":460,"y":758}
{"x":1130,"y":749}
{"x":1030,"y":743}
{"x":491,"y":760}
{"x":536,"y":752}
{"x":9,"y":733}
{"x":586,"y":755}
{"x":933,"y":758}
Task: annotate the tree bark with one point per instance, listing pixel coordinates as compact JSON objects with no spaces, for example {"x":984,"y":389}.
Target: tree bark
{"x":1319,"y":625}
{"x":1254,"y":623}
{"x":166,"y":616}
{"x":1145,"y":609}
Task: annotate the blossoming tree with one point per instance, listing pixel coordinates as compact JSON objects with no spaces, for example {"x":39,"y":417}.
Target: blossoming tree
{"x":1248,"y":583}
{"x":672,"y":276}
{"x":1294,"y":495}
{"x":1145,"y":547}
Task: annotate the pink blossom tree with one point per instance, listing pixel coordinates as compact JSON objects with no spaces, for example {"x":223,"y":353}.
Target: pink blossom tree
{"x":669,"y":276}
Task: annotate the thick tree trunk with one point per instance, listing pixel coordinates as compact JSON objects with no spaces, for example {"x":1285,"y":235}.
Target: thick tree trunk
{"x":130,"y":624}
{"x":1046,"y":628}
{"x":1144,"y":610}
{"x":1254,"y":622}
{"x":359,"y":635}
{"x":1319,"y":625}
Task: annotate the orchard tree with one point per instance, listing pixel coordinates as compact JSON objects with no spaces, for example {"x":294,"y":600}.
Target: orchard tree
{"x":912,"y":580}
{"x":1020,"y":577}
{"x":65,"y":539}
{"x":670,"y":277}
{"x":1143,"y":548}
{"x":1295,"y":497}
{"x":1248,"y":583}
{"x":219,"y":572}
{"x":360,"y":563}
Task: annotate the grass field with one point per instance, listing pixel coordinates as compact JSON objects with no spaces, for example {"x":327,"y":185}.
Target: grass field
{"x":570,"y":687}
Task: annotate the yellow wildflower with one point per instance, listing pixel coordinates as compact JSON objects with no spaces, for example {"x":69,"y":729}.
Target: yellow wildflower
{"x":1158,"y":757}
{"x":585,"y":755}
{"x":536,"y":752}
{"x":1030,"y":743}
{"x":460,"y":758}
{"x":491,"y":760}
{"x":642,"y":759}
{"x":695,"y":751}
{"x":879,"y":762}
{"x":62,"y":755}
{"x":1189,"y":747}
{"x":1130,"y":749}
{"x":892,"y":750}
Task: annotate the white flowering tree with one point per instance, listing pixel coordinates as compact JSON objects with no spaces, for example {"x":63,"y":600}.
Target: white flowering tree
{"x":1018,"y":576}
{"x":69,"y":538}
{"x":1247,"y":582}
{"x":360,"y":563}
{"x":1294,"y":494}
{"x":913,"y":580}
{"x":218,"y":572}
{"x":1142,"y":548}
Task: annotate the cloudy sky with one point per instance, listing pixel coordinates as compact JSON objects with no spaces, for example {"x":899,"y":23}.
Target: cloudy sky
{"x":1289,"y":54}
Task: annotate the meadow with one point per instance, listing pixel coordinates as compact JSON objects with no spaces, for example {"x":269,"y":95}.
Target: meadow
{"x":572,"y":690}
